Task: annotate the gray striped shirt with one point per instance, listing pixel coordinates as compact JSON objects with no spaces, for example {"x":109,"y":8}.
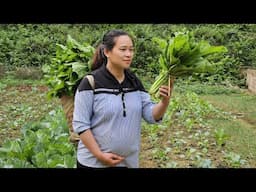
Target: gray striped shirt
{"x":103,"y":114}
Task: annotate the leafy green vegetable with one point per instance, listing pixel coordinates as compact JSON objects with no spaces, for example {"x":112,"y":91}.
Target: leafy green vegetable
{"x":182,"y":56}
{"x":68,"y":67}
{"x":42,"y":145}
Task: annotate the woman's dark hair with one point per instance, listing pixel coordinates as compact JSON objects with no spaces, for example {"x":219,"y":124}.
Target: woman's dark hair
{"x":108,"y":42}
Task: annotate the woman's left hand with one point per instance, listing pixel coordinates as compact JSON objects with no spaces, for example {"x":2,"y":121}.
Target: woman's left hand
{"x":166,"y":91}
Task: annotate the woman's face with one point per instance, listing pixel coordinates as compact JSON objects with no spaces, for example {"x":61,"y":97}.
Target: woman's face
{"x":122,"y":53}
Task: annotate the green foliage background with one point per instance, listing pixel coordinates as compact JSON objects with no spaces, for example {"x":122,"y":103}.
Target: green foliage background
{"x":25,"y":45}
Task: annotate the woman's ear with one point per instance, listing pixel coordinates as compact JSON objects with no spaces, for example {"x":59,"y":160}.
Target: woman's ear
{"x":105,"y":53}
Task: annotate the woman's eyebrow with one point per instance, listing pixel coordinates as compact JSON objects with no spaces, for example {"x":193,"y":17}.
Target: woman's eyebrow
{"x":127,"y":46}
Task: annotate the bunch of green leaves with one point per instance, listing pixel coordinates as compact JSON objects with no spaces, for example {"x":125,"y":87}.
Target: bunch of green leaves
{"x":70,"y":64}
{"x":182,"y":56}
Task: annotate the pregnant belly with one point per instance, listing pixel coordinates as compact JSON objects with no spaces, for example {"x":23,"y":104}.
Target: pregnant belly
{"x":123,"y":147}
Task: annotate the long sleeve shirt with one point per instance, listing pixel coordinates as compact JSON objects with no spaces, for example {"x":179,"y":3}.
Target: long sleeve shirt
{"x":113,"y":111}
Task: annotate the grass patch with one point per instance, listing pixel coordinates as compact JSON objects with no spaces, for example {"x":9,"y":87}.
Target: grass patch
{"x":242,"y":130}
{"x":241,"y":105}
{"x":241,"y":138}
{"x":11,"y":80}
{"x":203,"y":89}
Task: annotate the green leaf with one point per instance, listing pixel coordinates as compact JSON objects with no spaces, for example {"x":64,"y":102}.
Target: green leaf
{"x":79,"y":68}
{"x":69,"y":65}
{"x":207,"y":49}
{"x":182,"y":56}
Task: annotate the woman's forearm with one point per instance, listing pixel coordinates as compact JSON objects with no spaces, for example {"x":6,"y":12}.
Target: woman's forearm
{"x":91,"y":144}
{"x":159,"y":110}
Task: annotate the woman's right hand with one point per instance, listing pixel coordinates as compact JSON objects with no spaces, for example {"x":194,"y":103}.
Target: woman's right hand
{"x":110,"y":159}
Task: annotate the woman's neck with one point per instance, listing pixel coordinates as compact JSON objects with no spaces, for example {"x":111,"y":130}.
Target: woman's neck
{"x":118,"y":73}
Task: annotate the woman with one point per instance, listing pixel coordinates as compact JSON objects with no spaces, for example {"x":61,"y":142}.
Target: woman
{"x":108,"y":117}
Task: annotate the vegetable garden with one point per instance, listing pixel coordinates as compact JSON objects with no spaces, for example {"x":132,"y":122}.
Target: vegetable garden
{"x":210,"y":122}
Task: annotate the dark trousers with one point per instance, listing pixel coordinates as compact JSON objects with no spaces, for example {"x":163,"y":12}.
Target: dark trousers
{"x":79,"y":165}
